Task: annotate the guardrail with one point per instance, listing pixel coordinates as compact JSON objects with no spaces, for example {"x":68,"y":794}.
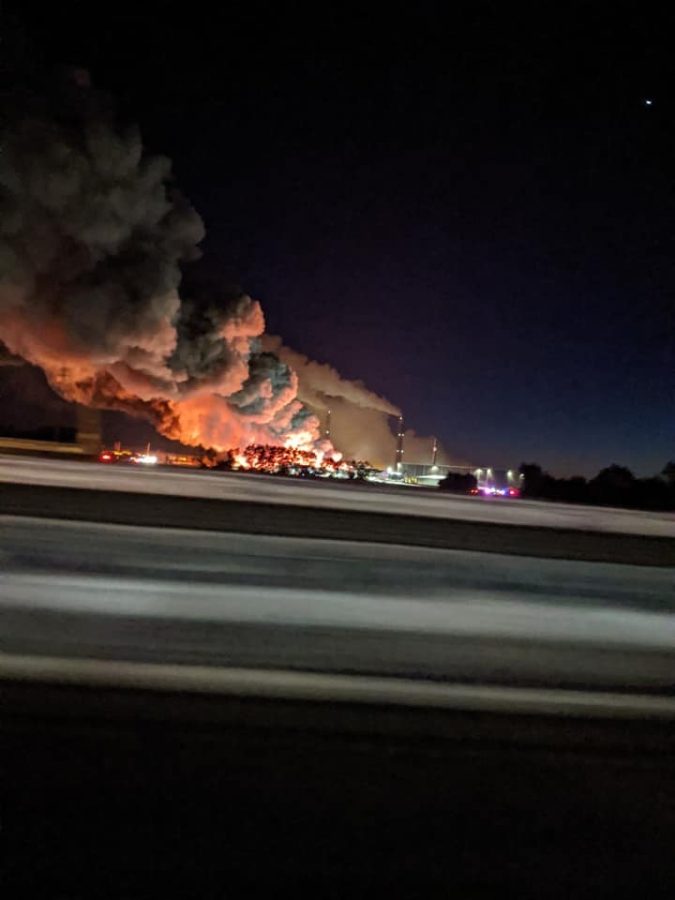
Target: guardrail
{"x":27,"y":445}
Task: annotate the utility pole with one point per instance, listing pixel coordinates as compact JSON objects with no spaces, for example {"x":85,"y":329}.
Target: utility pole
{"x":327,"y":430}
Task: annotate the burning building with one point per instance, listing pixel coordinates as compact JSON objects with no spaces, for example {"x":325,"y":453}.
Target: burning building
{"x":286,"y":460}
{"x":93,"y":236}
{"x":94,"y":239}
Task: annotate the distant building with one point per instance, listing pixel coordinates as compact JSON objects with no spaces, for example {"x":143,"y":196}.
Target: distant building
{"x":498,"y":481}
{"x":489,"y":479}
{"x":428,"y":473}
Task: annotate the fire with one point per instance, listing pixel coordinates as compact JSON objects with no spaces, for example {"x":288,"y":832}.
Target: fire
{"x":93,"y":241}
{"x":289,"y":459}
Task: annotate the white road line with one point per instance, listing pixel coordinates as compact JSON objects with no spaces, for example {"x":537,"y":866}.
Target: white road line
{"x":223,"y":486}
{"x":467,"y":612}
{"x":285,"y":685}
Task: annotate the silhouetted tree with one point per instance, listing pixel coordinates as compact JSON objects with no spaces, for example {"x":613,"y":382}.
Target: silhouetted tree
{"x":615,"y":477}
{"x":226,"y":462}
{"x":612,"y":486}
{"x":458,"y":483}
{"x":653,"y":493}
{"x":668,"y":472}
{"x":533,"y":479}
{"x":576,"y":489}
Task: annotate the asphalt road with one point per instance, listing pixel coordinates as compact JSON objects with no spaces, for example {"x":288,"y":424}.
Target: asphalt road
{"x":85,"y":591}
{"x":323,"y":494}
{"x":275,"y":519}
{"x":216,"y":712}
{"x":109,"y":794}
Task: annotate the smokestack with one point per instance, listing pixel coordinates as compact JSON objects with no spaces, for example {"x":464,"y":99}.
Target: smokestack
{"x":327,"y":430}
{"x":399,"y":445}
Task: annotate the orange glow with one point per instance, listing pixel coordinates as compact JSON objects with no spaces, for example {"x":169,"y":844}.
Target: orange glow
{"x":270,"y":459}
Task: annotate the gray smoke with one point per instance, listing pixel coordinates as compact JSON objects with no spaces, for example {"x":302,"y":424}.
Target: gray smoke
{"x":369,"y":434}
{"x":320,"y":383}
{"x":362,"y":422}
{"x":92,"y":238}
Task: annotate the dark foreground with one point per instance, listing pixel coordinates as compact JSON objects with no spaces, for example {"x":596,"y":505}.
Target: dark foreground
{"x":126,"y":794}
{"x":111,"y":792}
{"x":254,"y":517}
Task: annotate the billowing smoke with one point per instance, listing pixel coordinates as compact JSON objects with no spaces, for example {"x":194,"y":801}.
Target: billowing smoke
{"x":320,"y":383}
{"x":9,"y":359}
{"x":360,"y":420}
{"x":363,"y":433}
{"x":92,"y":238}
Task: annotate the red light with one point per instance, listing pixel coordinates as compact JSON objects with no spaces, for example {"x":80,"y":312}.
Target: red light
{"x":105,"y":457}
{"x":514,"y":492}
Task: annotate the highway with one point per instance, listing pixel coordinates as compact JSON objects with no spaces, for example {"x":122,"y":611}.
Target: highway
{"x":226,"y":573}
{"x":222,"y":688}
{"x":323,"y":494}
{"x":175,"y":597}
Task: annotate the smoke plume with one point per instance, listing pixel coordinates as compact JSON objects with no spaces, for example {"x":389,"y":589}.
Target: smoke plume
{"x":93,"y":240}
{"x":320,"y":383}
{"x":93,"y":235}
{"x":365,"y":433}
{"x":360,"y":420}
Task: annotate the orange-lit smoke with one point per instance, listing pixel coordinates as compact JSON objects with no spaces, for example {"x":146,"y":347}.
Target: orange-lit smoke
{"x":92,"y":240}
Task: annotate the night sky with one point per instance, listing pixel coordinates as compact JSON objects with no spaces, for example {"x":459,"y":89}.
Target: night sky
{"x":476,"y":217}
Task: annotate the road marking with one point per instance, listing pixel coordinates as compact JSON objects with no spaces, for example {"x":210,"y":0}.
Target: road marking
{"x":325,"y":688}
{"x":286,"y":492}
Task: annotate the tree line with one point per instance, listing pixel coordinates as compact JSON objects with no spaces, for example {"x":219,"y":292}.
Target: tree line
{"x":612,"y":486}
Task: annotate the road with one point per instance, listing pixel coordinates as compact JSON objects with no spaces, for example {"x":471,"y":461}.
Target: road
{"x":408,"y":501}
{"x":136,"y":595}
{"x":196,"y":710}
{"x":261,"y":585}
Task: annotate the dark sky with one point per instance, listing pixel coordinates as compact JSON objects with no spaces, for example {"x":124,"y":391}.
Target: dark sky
{"x":475,"y":215}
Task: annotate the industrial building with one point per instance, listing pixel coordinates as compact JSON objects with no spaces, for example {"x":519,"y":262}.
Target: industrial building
{"x":489,"y":479}
{"x":429,"y":473}
{"x":426,"y":473}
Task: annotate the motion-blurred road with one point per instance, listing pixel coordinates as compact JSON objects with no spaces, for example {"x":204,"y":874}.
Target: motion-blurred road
{"x":375,"y":691}
{"x":331,"y":495}
{"x":173,"y":596}
{"x":245,"y":573}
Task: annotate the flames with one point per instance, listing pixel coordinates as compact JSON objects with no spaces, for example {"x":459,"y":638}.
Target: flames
{"x":94,"y":241}
{"x":285,"y":460}
{"x":263,"y":458}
